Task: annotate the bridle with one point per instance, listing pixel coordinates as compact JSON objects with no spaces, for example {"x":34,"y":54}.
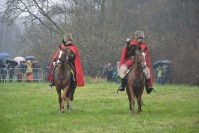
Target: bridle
{"x":141,"y":62}
{"x":63,"y":58}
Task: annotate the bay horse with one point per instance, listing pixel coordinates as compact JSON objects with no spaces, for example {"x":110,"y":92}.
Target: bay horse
{"x":62,"y":78}
{"x":135,"y":81}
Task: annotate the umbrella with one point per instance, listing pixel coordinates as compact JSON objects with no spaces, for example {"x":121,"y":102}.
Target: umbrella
{"x":2,"y":55}
{"x":161,"y":62}
{"x":19,"y":59}
{"x":157,"y":63}
{"x":11,"y":62}
{"x":166,"y":62}
{"x":30,"y":57}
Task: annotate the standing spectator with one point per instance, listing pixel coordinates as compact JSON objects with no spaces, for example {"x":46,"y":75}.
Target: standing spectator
{"x":22,"y":68}
{"x":10,"y":72}
{"x":35,"y":69}
{"x":115,"y":73}
{"x":19,"y":77}
{"x":1,"y":68}
{"x":4,"y":73}
{"x":29,"y":71}
{"x":104,"y":71}
{"x":160,"y":75}
{"x":109,"y":72}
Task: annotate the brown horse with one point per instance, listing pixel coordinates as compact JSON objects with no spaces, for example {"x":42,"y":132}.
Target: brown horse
{"x":62,"y":78}
{"x":135,"y":81}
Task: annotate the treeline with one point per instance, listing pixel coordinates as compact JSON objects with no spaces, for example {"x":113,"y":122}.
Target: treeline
{"x":100,"y":28}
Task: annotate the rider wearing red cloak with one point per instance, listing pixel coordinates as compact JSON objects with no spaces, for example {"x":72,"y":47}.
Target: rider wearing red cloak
{"x":127,"y":60}
{"x":74,"y":60}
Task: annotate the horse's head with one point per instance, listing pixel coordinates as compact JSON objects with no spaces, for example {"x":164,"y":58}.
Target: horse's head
{"x":141,"y":59}
{"x":63,"y":58}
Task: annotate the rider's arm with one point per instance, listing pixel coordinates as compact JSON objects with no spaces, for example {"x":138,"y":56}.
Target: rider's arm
{"x":71,"y":55}
{"x":131,"y":51}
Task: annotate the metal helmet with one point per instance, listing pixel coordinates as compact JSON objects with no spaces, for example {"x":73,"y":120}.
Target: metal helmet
{"x":139,"y":34}
{"x":67,"y":37}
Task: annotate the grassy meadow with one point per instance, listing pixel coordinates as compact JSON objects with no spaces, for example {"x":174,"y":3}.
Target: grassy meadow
{"x":97,"y":108}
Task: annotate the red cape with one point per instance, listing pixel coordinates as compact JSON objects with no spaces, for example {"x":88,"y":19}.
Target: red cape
{"x":78,"y":66}
{"x":145,"y":48}
{"x":125,"y":50}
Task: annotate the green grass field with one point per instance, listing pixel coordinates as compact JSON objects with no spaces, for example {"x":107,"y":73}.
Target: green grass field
{"x":33,"y":107}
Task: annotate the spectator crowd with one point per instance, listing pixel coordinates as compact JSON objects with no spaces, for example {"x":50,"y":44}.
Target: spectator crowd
{"x":28,"y":70}
{"x":111,"y":72}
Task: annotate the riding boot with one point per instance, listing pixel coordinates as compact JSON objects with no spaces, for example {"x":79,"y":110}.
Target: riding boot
{"x":122,"y":86}
{"x":52,"y":80}
{"x":73,"y":84}
{"x":148,"y":87}
{"x":52,"y":83}
{"x":73,"y":75}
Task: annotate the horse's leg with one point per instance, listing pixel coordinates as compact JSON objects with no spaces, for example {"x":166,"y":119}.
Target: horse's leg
{"x":70,"y":99}
{"x":139,"y":104}
{"x":130,"y":106}
{"x":59,"y":96}
{"x":69,"y":104}
{"x":129,"y":98}
{"x":140,"y":100}
{"x":64,"y":98}
{"x":132,"y":100}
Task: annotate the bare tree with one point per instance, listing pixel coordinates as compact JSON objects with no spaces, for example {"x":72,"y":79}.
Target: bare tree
{"x":33,"y":10}
{"x":100,"y":28}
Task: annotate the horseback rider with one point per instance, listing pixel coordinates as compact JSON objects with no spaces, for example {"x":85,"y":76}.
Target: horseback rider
{"x":127,"y":60}
{"x":74,"y":62}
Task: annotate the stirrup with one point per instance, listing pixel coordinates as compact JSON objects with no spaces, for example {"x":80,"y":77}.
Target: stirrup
{"x":149,"y":90}
{"x":52,"y":84}
{"x":120,"y":89}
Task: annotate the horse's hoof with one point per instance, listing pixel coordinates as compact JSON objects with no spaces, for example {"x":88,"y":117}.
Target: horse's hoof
{"x":133,"y":112}
{"x":61,"y":111}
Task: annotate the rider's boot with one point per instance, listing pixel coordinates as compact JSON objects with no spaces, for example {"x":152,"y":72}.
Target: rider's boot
{"x":122,"y":86}
{"x":52,"y":80}
{"x":73,"y":77}
{"x":148,"y":87}
{"x":52,"y":83}
{"x":73,"y":84}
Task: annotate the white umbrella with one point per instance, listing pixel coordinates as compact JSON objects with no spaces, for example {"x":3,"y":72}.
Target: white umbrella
{"x":19,"y":59}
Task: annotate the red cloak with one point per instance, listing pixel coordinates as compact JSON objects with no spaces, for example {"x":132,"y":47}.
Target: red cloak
{"x":125,"y":51}
{"x":145,"y":48}
{"x":78,"y":66}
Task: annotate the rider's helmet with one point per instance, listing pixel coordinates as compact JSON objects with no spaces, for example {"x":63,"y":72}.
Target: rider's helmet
{"x":67,"y":37}
{"x":139,"y":34}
